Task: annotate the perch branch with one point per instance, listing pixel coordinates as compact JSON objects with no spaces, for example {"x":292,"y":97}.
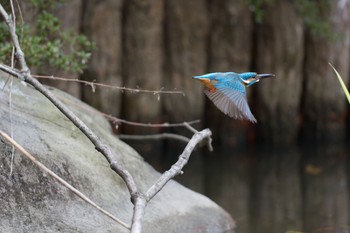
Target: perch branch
{"x":177,"y":167}
{"x":99,"y":146}
{"x":141,"y":200}
{"x":60,"y":180}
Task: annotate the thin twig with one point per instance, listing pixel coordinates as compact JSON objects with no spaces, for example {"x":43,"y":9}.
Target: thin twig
{"x":93,"y":85}
{"x":154,"y":137}
{"x":116,"y":121}
{"x":10,"y":91}
{"x":190,"y":128}
{"x":151,"y":125}
{"x":60,"y":180}
{"x":209,"y":140}
{"x":11,"y":127}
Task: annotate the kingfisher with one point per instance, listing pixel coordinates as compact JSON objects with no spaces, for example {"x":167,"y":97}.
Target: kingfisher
{"x":228,"y":91}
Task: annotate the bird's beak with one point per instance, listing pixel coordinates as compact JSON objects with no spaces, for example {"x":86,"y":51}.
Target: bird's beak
{"x":261,"y":76}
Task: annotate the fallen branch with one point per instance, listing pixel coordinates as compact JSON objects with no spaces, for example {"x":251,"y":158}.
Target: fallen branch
{"x":60,"y":180}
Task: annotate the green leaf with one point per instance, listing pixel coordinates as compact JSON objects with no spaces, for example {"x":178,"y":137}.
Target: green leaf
{"x":341,"y":83}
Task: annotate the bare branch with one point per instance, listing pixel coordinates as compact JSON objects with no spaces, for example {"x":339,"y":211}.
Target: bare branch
{"x":60,"y":180}
{"x":139,"y":211}
{"x":154,"y":137}
{"x":150,"y":125}
{"x":177,"y":167}
{"x":11,"y":71}
{"x":19,"y":53}
{"x":117,"y":121}
{"x":189,"y":127}
{"x":94,"y":84}
{"x":141,"y":200}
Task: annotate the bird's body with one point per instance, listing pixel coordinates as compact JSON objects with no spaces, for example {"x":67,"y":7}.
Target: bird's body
{"x":228,"y":91}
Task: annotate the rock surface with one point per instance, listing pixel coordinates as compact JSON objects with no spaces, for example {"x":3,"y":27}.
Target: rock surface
{"x":32,"y":201}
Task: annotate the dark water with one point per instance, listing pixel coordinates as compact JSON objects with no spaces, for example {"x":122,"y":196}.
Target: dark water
{"x":274,"y":190}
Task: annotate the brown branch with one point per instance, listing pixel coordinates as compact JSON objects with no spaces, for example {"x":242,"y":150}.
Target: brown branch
{"x":94,"y":85}
{"x":60,"y":180}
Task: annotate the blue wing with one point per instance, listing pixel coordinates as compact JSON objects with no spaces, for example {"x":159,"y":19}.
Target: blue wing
{"x":230,"y":98}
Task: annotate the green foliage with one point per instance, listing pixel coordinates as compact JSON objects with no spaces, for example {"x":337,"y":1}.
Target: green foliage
{"x":316,"y":16}
{"x":257,"y":7}
{"x":314,"y":13}
{"x":45,"y":44}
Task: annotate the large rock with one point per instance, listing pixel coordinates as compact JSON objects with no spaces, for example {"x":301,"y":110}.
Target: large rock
{"x":32,"y":201}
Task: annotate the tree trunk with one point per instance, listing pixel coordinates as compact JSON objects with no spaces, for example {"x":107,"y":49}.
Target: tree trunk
{"x":280,"y":51}
{"x":102,"y":24}
{"x":324,"y":107}
{"x":230,"y":49}
{"x":186,"y":24}
{"x":142,"y":60}
{"x":143,"y":68}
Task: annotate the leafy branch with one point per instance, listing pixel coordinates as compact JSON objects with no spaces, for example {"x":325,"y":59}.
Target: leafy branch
{"x":46,"y":44}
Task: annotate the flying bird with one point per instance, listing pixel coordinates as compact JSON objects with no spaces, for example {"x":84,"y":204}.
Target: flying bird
{"x":228,"y":91}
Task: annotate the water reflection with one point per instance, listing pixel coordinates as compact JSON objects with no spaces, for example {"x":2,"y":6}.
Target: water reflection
{"x":281,"y":189}
{"x":290,"y":189}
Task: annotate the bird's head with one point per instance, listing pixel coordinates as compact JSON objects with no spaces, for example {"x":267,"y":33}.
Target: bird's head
{"x":249,"y":78}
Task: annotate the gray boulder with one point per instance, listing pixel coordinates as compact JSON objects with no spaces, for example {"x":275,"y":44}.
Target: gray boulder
{"x":32,"y":201}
